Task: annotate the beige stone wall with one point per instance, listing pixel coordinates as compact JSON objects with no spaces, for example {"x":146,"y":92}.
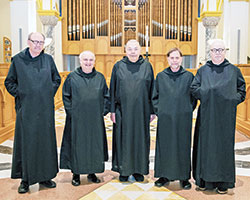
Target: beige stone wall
{"x":249,"y":34}
{"x":220,"y":27}
{"x":4,"y":24}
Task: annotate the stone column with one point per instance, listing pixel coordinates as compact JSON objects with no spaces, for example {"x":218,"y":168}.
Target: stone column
{"x":210,"y":24}
{"x":49,"y":22}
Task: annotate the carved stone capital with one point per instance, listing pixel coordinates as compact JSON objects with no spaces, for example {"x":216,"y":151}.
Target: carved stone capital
{"x":210,"y":21}
{"x":49,"y":20}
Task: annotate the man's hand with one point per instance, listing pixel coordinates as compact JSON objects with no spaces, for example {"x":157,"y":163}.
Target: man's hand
{"x":152,"y":117}
{"x":112,"y":117}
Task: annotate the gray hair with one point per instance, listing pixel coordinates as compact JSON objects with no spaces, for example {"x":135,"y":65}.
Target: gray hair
{"x":29,"y":36}
{"x":85,"y":53}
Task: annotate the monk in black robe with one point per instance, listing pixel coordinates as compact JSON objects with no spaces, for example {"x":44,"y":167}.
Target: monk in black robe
{"x":131,"y":90}
{"x":220,"y":87}
{"x":174,"y":106}
{"x":33,"y":80}
{"x":86,"y":101}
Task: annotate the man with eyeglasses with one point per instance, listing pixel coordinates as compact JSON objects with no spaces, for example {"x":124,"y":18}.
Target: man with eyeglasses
{"x":220,"y":87}
{"x":33,"y":80}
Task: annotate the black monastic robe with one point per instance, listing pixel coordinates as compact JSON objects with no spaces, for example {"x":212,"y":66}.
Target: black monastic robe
{"x":33,"y":82}
{"x":131,"y":90}
{"x":86,"y":100}
{"x":174,"y":106}
{"x":220,"y":88}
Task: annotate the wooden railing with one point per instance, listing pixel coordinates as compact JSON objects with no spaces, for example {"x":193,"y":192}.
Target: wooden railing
{"x":243,"y":110}
{"x":7,"y":111}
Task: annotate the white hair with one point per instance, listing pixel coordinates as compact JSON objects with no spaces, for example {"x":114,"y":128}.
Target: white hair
{"x":86,"y":53}
{"x":212,"y":41}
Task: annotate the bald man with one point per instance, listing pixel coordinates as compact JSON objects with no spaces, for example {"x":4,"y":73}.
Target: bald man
{"x":33,"y":80}
{"x":131,"y":90}
{"x":86,"y":101}
{"x":220,"y":87}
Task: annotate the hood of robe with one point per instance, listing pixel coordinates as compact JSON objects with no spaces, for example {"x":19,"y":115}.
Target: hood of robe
{"x":138,"y":62}
{"x":170,"y":72}
{"x":223,"y":64}
{"x":26,"y":55}
{"x":83,"y":74}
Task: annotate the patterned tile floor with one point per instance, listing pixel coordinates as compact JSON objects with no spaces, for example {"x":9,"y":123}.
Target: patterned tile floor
{"x":132,"y":190}
{"x":114,"y":190}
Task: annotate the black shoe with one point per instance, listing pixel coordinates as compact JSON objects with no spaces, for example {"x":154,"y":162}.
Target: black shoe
{"x":201,"y":187}
{"x":48,"y":184}
{"x":186,"y":185}
{"x":138,"y":177}
{"x":23,"y":188}
{"x":221,"y":190}
{"x":76,"y":180}
{"x":93,"y":178}
{"x":123,"y":178}
{"x":161,"y":182}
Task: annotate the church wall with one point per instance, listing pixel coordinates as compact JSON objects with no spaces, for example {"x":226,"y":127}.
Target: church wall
{"x":39,"y":25}
{"x":220,"y":27}
{"x":201,"y":45}
{"x":58,"y":46}
{"x":249,"y":34}
{"x":22,"y":21}
{"x":236,"y":19}
{"x":4,"y":24}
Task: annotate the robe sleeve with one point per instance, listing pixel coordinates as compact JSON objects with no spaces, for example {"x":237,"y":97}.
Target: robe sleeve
{"x":56,"y":79}
{"x":10,"y":82}
{"x":67,"y":96}
{"x":193,"y":99}
{"x":106,"y":99}
{"x":151,"y":91}
{"x":155,"y":96}
{"x":113,"y":89}
{"x":195,"y":86}
{"x":241,"y":88}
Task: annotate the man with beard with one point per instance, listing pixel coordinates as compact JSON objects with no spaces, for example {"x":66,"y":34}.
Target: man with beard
{"x":131,"y":91}
{"x":220,"y":87}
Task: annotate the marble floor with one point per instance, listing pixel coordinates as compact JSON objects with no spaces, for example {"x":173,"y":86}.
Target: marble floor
{"x":110,"y":188}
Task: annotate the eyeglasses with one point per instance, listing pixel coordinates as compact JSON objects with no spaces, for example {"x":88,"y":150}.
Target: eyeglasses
{"x":36,"y":42}
{"x":220,"y":50}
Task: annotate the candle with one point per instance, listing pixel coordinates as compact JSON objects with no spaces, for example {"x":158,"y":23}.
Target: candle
{"x":146,"y":38}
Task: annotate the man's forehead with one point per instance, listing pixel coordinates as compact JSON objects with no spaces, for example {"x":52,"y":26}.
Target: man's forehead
{"x":36,"y":36}
{"x":132,"y":45}
{"x":87,"y":55}
{"x":175,"y":54}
